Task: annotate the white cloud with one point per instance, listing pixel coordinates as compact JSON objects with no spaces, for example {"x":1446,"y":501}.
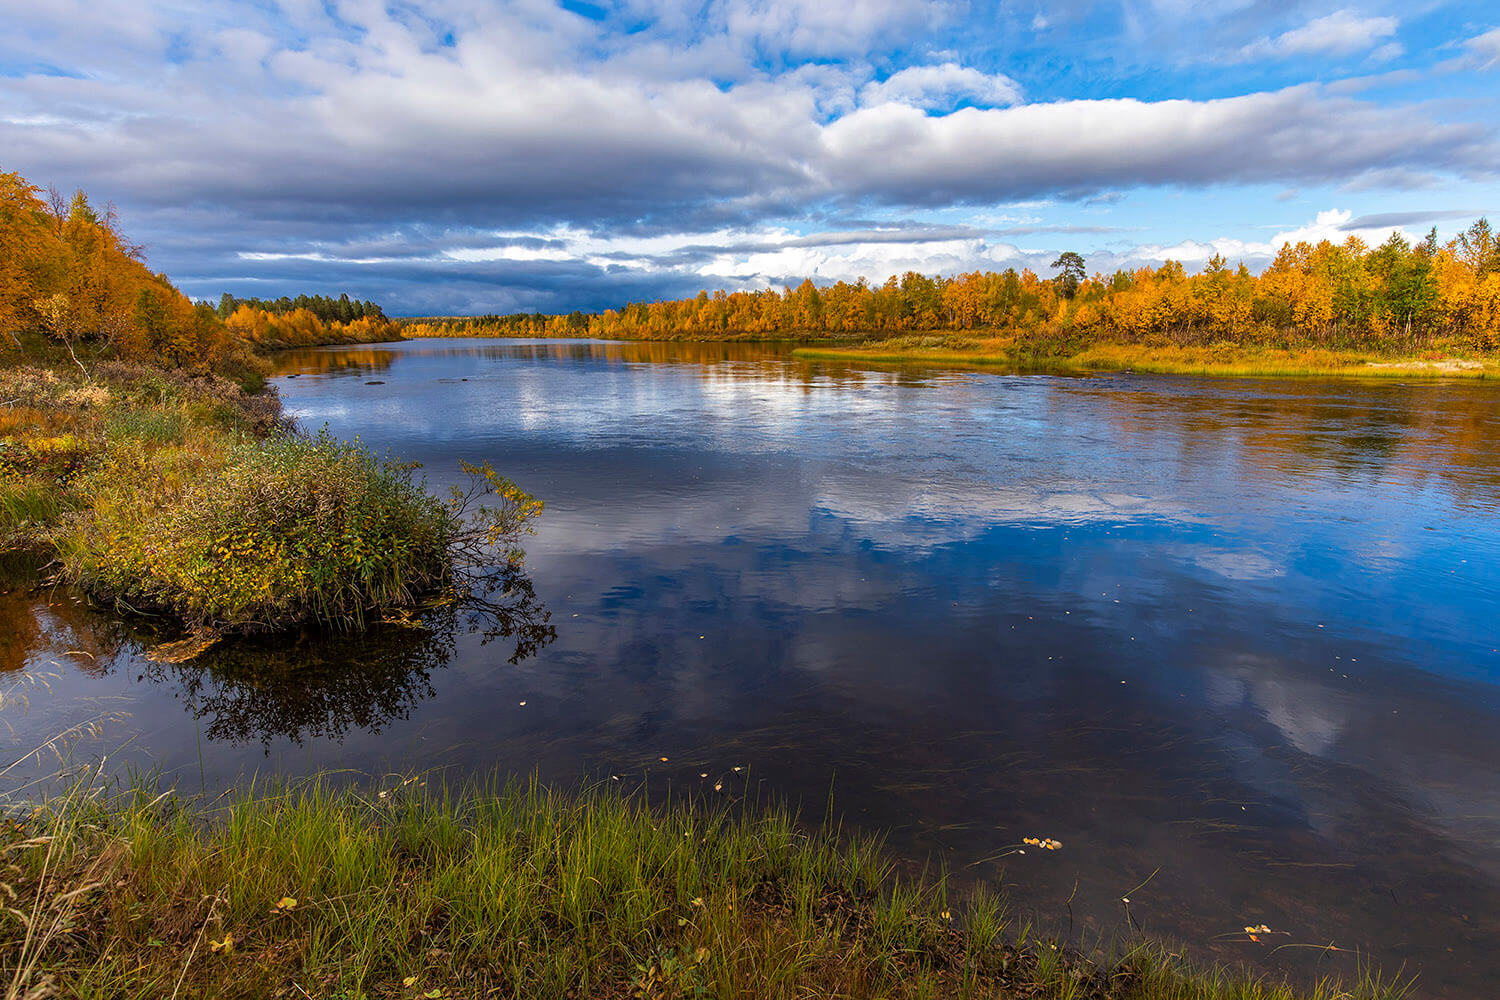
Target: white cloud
{"x":657,"y":152}
{"x":941,"y":87}
{"x":897,"y":153}
{"x":1485,"y":49}
{"x":1342,"y":33}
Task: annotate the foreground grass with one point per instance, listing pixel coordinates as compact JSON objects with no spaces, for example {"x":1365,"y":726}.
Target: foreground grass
{"x":514,"y":891}
{"x":1166,"y":359}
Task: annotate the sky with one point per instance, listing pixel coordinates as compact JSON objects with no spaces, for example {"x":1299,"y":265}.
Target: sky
{"x":466,"y":157}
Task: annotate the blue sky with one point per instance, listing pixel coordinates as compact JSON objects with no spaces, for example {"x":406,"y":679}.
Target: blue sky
{"x":467,"y":157}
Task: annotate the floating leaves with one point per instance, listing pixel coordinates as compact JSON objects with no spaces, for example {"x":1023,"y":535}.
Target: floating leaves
{"x":1255,"y":932}
{"x":1045,"y":843}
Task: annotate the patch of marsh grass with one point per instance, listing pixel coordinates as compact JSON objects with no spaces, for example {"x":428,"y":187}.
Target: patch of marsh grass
{"x":325,"y":888}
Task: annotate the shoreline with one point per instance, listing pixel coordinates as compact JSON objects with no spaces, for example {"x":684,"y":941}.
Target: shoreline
{"x":515,"y":888}
{"x":1218,"y":360}
{"x":1212,"y":362}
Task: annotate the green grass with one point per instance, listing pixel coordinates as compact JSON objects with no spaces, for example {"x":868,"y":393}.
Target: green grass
{"x":183,"y":496}
{"x":1221,"y":359}
{"x":269,"y":532}
{"x":402,"y":889}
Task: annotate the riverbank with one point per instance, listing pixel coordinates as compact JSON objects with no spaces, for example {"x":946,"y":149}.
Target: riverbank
{"x":404,"y":889}
{"x":1224,"y":359}
{"x":181,"y":495}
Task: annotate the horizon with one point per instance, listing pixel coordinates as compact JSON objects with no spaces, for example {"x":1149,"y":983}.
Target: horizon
{"x":471,"y":158}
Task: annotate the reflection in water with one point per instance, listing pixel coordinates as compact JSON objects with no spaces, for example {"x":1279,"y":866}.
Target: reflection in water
{"x":324,"y":684}
{"x":1236,"y":632}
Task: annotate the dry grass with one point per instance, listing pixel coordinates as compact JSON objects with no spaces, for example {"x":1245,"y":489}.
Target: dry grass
{"x":1222,"y":359}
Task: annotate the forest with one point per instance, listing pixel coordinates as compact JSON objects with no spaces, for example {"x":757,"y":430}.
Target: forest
{"x":1395,"y":296}
{"x":68,"y":273}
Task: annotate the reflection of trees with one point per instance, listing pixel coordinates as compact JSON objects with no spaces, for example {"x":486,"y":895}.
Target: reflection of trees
{"x":39,"y":619}
{"x":325,"y":684}
{"x":1360,"y":431}
{"x":323,"y":361}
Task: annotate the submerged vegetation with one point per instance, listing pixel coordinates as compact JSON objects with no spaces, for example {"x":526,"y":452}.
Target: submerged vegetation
{"x":405,"y":890}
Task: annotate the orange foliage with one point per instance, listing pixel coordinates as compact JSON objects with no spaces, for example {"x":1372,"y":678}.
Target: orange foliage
{"x":1327,"y":294}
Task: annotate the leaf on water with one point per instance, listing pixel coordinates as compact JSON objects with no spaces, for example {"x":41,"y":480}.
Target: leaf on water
{"x":663,"y":759}
{"x":523,"y":704}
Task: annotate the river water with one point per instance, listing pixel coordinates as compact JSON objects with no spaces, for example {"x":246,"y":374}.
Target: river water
{"x":1232,"y":642}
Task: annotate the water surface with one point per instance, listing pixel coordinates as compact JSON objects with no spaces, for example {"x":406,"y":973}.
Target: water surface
{"x":1233,"y":639}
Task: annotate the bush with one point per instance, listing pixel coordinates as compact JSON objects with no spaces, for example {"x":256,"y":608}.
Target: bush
{"x":274,"y":533}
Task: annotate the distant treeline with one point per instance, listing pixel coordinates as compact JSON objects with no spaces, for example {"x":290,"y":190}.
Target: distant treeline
{"x":330,"y":310}
{"x":574,"y":324}
{"x":1396,"y":295}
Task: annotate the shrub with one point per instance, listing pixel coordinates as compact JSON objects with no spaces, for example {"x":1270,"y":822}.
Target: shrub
{"x":274,"y":533}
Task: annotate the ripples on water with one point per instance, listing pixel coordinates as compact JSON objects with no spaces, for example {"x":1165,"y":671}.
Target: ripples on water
{"x":1240,"y":633}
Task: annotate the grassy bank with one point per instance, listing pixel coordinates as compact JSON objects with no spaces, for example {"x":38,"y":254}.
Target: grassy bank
{"x":181,"y":495}
{"x":517,"y":891}
{"x":1242,"y":359}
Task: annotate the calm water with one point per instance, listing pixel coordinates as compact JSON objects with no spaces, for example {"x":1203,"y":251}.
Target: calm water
{"x":1239,"y":634}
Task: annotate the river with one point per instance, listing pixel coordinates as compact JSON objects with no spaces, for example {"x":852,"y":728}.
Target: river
{"x":1232,"y":642}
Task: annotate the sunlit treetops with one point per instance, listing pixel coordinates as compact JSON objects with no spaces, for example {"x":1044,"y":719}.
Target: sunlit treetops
{"x":1395,"y":294}
{"x":68,"y":272}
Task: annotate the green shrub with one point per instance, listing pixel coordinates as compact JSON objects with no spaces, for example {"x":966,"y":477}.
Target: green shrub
{"x":274,"y":533}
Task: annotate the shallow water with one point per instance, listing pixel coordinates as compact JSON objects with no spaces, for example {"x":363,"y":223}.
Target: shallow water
{"x":1233,"y":639}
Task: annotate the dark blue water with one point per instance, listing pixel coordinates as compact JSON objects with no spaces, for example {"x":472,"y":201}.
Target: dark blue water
{"x":1235,"y":639}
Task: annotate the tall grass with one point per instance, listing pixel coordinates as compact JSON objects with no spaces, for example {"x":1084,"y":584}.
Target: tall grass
{"x":404,"y":890}
{"x":268,"y":533}
{"x":182,"y":495}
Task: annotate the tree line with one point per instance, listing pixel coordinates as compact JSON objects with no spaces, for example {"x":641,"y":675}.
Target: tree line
{"x":330,"y":310}
{"x":68,"y":272}
{"x":1394,"y":295}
